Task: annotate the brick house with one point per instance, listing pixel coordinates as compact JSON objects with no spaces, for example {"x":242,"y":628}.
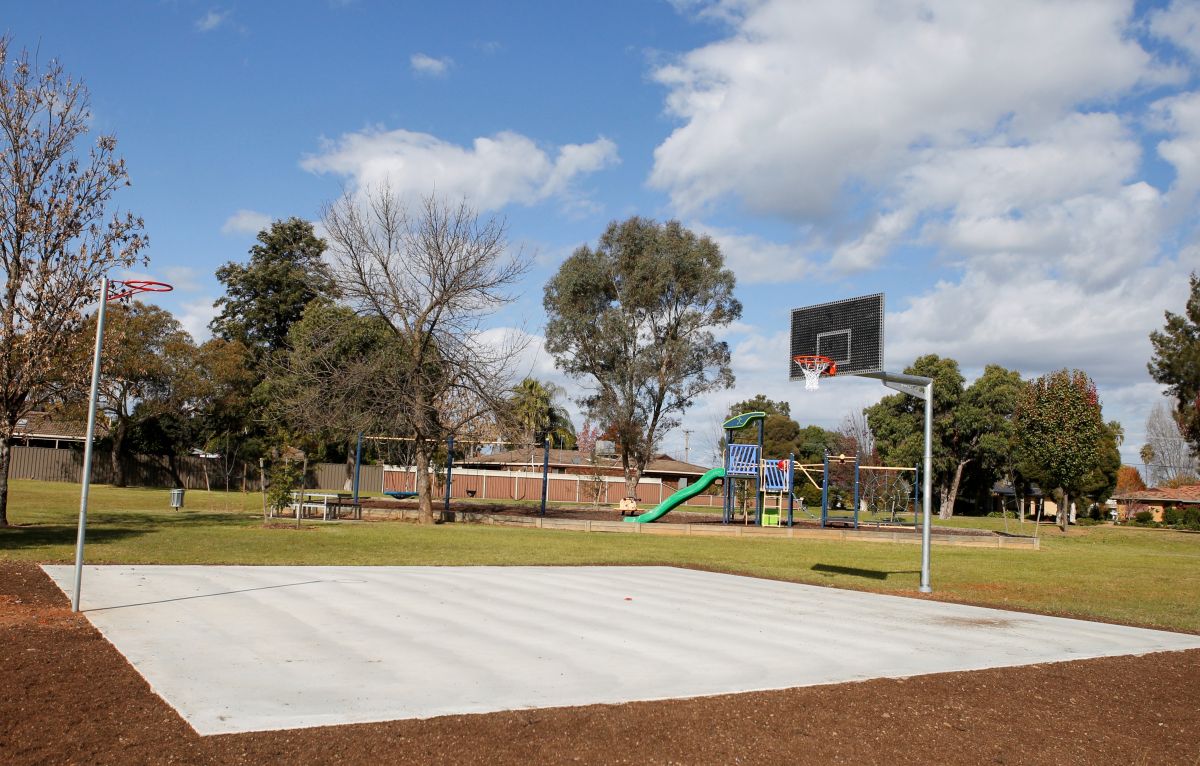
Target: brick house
{"x":1156,"y":501}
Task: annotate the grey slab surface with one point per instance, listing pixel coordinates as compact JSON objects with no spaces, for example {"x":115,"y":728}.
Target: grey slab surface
{"x":237,"y":649}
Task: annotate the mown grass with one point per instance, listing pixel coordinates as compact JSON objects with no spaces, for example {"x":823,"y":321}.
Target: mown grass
{"x":1134,"y":576}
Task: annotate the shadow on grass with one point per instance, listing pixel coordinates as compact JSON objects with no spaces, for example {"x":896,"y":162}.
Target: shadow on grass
{"x":48,"y":535}
{"x":872,"y":574}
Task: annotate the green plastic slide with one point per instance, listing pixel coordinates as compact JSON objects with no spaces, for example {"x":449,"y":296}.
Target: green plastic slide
{"x":691,"y":490}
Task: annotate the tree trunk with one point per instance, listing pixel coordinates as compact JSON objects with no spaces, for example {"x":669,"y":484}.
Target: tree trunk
{"x":950,"y":495}
{"x":424,"y":486}
{"x":351,"y":453}
{"x":5,"y":464}
{"x":118,"y":447}
{"x":1063,"y":510}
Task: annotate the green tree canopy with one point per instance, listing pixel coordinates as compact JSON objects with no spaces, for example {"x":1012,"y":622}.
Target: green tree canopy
{"x":264,"y":297}
{"x":898,"y":422}
{"x":633,"y":319}
{"x":1176,"y":363}
{"x":1060,"y":432}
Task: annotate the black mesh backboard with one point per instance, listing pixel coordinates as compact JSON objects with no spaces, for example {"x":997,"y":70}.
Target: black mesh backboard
{"x":850,"y":332}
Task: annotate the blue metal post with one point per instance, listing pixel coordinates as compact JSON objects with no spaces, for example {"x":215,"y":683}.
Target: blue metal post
{"x":825,"y":493}
{"x":545,"y":472}
{"x":758,"y":478}
{"x":916,"y":492}
{"x":791,"y":484}
{"x":357,"y":464}
{"x":449,"y":467}
{"x":727,"y":482}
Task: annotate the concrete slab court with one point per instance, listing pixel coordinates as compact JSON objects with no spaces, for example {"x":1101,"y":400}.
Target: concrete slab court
{"x":237,"y":649}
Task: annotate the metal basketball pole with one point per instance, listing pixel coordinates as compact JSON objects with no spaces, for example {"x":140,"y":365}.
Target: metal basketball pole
{"x":922,"y":388}
{"x":87,"y":446}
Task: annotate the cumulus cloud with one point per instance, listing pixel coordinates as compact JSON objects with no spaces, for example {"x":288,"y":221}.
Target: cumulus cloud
{"x":428,"y":66}
{"x":1001,"y":143}
{"x":755,"y":259}
{"x":246,"y":222}
{"x":492,"y":172}
{"x":1179,"y":22}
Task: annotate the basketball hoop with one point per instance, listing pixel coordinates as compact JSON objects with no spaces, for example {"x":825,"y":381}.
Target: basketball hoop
{"x":813,"y":367}
{"x":123,"y":290}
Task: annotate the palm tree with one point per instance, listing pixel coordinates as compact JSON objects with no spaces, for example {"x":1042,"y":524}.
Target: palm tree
{"x":534,"y":414}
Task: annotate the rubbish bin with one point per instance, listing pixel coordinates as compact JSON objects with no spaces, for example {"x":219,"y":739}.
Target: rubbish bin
{"x":177,"y":498}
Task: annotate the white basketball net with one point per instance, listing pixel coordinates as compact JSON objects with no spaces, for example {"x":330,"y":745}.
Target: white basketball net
{"x":812,"y":369}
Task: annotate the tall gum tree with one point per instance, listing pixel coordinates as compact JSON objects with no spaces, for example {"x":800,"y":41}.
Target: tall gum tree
{"x":632,"y":319}
{"x":57,"y":238}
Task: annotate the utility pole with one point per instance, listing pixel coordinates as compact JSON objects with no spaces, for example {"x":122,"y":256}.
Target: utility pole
{"x":687,"y":439}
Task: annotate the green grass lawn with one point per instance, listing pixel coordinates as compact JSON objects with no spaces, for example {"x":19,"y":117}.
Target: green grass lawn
{"x":1129,"y":575}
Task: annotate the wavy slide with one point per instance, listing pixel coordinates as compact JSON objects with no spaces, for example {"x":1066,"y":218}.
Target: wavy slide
{"x":691,"y":490}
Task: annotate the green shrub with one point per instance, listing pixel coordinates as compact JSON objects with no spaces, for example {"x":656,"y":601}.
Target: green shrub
{"x":1143,"y":517}
{"x":1086,"y":522}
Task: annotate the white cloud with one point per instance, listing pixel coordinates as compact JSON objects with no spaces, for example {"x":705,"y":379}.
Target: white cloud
{"x":1180,"y":23}
{"x":182,"y":278}
{"x":754,"y":259}
{"x":246,"y":222}
{"x":493,"y":172}
{"x":428,"y":66}
{"x":195,"y":316}
{"x":211,"y":20}
{"x":805,"y":101}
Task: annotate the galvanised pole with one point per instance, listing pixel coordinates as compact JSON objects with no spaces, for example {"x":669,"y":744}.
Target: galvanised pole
{"x":925,"y":586}
{"x":87,"y":446}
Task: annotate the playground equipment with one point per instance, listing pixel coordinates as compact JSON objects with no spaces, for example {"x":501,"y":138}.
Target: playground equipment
{"x":690,"y":491}
{"x":450,"y":442}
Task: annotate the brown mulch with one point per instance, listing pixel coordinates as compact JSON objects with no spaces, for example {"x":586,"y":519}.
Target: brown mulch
{"x":67,"y":696}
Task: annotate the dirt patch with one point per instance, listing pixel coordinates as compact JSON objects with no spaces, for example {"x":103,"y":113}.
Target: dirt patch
{"x":383,"y":505}
{"x":67,"y":696}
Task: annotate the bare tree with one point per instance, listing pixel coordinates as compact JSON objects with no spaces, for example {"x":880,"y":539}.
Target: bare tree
{"x":56,"y":240}
{"x":431,"y":276}
{"x":1167,"y":454}
{"x":856,"y":431}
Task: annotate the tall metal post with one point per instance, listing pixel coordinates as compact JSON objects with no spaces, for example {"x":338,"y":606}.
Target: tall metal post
{"x":87,"y":446}
{"x":928,"y":487}
{"x":791,"y":484}
{"x":545,"y":472}
{"x":758,"y":477}
{"x":449,"y":467}
{"x":357,"y":465}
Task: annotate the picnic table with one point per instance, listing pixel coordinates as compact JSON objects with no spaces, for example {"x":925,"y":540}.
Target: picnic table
{"x":327,"y":505}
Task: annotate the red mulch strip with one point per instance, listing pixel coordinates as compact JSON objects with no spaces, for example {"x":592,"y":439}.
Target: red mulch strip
{"x":67,"y":696}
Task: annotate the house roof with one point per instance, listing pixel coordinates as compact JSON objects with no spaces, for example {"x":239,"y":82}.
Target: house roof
{"x":563,"y":458}
{"x":1189,"y":493}
{"x":40,"y":425}
{"x":1004,"y":488}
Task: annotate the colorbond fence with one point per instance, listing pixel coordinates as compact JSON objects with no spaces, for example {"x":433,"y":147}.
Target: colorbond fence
{"x":49,"y":464}
{"x":527,"y":485}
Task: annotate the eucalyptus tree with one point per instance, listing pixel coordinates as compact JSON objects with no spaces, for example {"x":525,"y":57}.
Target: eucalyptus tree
{"x":632,"y":319}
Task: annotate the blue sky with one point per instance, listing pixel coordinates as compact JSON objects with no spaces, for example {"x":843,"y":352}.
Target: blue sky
{"x":1020,"y":178}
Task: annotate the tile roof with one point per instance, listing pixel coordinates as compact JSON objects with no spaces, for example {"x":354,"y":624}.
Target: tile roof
{"x":40,"y":425}
{"x":1189,"y":493}
{"x":532,"y":456}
